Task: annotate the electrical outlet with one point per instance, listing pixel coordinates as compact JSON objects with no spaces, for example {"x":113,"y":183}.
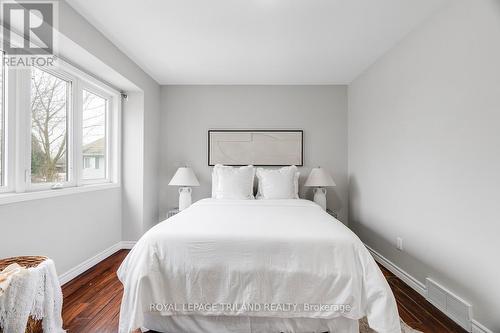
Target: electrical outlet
{"x":399,"y":243}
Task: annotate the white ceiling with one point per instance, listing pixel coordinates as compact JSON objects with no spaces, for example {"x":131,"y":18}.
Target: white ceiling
{"x":255,"y":41}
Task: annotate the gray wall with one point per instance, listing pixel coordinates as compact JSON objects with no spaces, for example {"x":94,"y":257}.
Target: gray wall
{"x":424,"y":154}
{"x":141,"y":119}
{"x":69,"y":229}
{"x":73,"y":228}
{"x":189,"y":111}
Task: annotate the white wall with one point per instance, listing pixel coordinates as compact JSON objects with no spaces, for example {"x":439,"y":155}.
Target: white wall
{"x":141,"y":146}
{"x":189,"y":111}
{"x":76,"y":227}
{"x":132,"y":166}
{"x":424,"y":154}
{"x":69,"y":229}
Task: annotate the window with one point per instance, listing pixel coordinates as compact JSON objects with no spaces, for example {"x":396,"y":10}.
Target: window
{"x":49,"y":127}
{"x":94,"y":135}
{"x":63,"y":133}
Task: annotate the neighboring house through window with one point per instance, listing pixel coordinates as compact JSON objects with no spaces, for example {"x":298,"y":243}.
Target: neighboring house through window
{"x":93,"y":157}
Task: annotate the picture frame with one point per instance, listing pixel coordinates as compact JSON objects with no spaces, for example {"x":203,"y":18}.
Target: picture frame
{"x":258,"y":147}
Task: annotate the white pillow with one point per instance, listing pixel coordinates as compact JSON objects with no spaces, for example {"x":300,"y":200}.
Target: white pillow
{"x":232,"y":183}
{"x":278,"y":183}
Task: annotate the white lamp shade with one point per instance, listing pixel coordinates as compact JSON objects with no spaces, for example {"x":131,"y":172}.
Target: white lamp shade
{"x":319,"y":178}
{"x":184,"y":177}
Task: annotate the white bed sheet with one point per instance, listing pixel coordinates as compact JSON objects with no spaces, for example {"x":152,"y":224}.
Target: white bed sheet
{"x":245,"y":324}
{"x":254,"y":253}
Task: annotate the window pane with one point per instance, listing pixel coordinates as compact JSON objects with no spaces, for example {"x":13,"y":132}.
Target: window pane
{"x":94,"y":136}
{"x":49,"y":127}
{"x":2,"y":123}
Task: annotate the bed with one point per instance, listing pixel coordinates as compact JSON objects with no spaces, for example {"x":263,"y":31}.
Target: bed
{"x":253,"y":266}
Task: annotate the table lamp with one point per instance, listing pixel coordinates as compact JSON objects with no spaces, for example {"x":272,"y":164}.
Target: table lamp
{"x":319,"y":179}
{"x":185,"y":178}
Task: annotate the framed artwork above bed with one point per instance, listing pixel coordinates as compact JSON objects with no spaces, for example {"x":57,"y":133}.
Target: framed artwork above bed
{"x":256,"y":147}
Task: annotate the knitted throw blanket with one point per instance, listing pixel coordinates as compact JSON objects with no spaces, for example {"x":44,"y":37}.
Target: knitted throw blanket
{"x":37,"y":293}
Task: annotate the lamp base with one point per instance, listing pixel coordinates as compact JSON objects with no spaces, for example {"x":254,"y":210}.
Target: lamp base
{"x":184,"y":197}
{"x":320,"y":197}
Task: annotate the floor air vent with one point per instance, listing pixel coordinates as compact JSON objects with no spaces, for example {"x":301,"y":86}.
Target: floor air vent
{"x":452,"y":305}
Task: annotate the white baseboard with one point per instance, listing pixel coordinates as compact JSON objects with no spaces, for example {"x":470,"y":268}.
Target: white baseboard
{"x":474,"y":326}
{"x":128,"y":245}
{"x":400,"y":273}
{"x":91,"y":262}
{"x":478,"y":328}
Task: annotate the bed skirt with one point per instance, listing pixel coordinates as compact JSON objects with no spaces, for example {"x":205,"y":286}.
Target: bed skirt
{"x":242,"y":324}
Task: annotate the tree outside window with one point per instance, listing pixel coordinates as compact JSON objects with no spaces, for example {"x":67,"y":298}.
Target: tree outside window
{"x":49,"y":128}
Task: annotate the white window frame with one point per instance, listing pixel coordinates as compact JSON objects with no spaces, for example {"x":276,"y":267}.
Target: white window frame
{"x":10,"y":141}
{"x":24,"y":89}
{"x":113,"y":125}
{"x":7,"y":147}
{"x":18,"y":135}
{"x":109,"y":130}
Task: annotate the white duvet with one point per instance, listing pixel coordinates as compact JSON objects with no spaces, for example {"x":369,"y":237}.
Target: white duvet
{"x":257,"y":258}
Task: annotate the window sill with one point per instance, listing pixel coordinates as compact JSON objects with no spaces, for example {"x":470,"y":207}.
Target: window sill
{"x":7,"y":198}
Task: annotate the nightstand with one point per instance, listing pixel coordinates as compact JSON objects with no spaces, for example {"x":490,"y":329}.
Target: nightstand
{"x":332,"y":213}
{"x":172,"y":212}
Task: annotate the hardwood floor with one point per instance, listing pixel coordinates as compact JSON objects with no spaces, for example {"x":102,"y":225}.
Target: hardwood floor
{"x":416,"y":311}
{"x":92,"y":302}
